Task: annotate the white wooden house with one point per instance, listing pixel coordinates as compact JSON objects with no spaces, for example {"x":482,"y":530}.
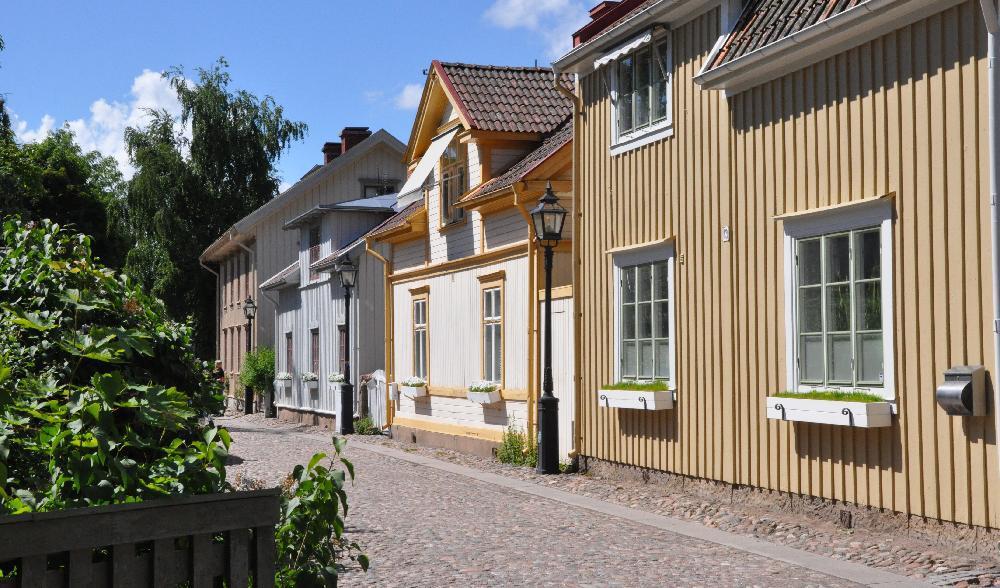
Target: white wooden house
{"x":461,"y":269}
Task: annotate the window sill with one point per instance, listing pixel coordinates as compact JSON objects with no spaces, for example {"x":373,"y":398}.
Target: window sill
{"x":446,"y":227}
{"x":863,"y":415}
{"x":635,"y":140}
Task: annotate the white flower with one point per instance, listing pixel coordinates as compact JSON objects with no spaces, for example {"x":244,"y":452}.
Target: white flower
{"x":414,"y":382}
{"x":309,"y":377}
{"x":336,"y":378}
{"x":483,"y":386}
{"x":283,"y":376}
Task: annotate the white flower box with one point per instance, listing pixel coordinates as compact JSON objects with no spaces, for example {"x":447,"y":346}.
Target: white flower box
{"x":636,"y":400}
{"x":830,"y":412}
{"x":412,"y":391}
{"x":484,"y":397}
{"x":311,"y":385}
{"x":282,"y":384}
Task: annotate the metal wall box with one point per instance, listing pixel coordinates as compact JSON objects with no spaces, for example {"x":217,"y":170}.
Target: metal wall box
{"x":963,"y":392}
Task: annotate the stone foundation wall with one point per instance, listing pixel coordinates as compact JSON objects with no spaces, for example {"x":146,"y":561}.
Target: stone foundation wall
{"x":459,"y":443}
{"x":305,"y":417}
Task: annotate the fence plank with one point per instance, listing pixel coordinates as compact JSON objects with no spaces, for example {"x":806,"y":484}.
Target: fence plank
{"x":81,"y":568}
{"x":123,"y":565}
{"x":201,"y":561}
{"x":238,"y":564}
{"x":33,"y":570}
{"x":264,"y":557}
{"x":163,"y":561}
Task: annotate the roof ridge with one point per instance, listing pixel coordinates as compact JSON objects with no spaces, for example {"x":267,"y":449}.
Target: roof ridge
{"x":537,"y":68}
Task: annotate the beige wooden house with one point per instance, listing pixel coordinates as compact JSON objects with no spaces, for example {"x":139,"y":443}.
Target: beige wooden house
{"x":462,"y":272}
{"x":789,"y":197}
{"x":362,"y":164}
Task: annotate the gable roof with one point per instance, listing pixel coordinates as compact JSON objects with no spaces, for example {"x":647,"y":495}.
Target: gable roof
{"x":552,"y":144}
{"x":763,"y":22}
{"x":397,"y":220}
{"x":507,"y":99}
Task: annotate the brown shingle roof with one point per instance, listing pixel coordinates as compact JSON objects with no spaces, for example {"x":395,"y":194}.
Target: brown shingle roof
{"x":397,"y":220}
{"x":509,"y":99}
{"x":766,"y":21}
{"x":554,"y":142}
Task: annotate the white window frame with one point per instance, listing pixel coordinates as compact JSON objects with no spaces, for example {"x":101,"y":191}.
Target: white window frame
{"x":642,"y":254}
{"x":495,"y":321}
{"x":420,"y":356}
{"x":840,"y":219}
{"x":623,"y":142}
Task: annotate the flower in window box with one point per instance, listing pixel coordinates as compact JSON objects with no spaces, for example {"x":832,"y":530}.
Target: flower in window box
{"x":283,"y":377}
{"x":413,"y":387}
{"x":309,"y":377}
{"x":336,"y":378}
{"x":484,"y":392}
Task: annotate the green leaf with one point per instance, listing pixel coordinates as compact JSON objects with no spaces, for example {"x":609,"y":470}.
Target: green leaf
{"x":339,"y":443}
{"x":315,"y":460}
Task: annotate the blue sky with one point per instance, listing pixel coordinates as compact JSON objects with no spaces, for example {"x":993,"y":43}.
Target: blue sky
{"x":331,"y":64}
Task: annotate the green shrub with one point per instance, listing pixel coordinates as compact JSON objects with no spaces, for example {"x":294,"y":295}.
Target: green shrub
{"x":310,"y":535}
{"x":258,"y":370}
{"x":100,"y":393}
{"x":365,"y":426}
{"x":517,"y":449}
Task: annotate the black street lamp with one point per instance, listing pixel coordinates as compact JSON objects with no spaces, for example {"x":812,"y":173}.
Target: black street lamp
{"x":548,"y":218}
{"x":249,"y":311}
{"x":348,"y":277}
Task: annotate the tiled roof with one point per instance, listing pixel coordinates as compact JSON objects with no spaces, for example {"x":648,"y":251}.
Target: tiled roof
{"x":766,"y":21}
{"x":608,"y":20}
{"x":554,"y":142}
{"x":509,"y":99}
{"x":397,"y":220}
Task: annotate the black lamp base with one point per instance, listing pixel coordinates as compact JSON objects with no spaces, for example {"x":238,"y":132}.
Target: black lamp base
{"x":548,"y":435}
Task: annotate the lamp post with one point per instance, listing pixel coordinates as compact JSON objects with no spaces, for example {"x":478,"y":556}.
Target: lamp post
{"x":249,"y":311}
{"x":348,"y":276}
{"x":548,"y":218}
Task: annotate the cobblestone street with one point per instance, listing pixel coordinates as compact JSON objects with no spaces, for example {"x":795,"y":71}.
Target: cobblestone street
{"x":422,"y":526}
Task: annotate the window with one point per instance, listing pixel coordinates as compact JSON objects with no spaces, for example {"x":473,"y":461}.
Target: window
{"x":454,"y":180}
{"x":289,"y":351}
{"x":644,"y":332}
{"x":314,"y":240}
{"x":645,"y":315}
{"x":420,"y":336}
{"x":641,"y":94}
{"x":377,"y":189}
{"x":839,"y":299}
{"x":314,"y":351}
{"x":493,"y":334}
{"x":342,"y":335}
{"x":838,"y":287}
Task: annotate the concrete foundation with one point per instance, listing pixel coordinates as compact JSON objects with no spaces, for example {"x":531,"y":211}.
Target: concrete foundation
{"x":305,"y":417}
{"x":459,"y":443}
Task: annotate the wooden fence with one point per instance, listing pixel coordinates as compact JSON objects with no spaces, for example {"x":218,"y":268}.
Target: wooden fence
{"x":193,"y":541}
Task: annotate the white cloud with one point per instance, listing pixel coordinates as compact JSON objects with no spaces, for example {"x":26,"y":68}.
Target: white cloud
{"x":554,"y":20}
{"x":409,"y":98}
{"x":104,"y":130}
{"x":372,"y":96}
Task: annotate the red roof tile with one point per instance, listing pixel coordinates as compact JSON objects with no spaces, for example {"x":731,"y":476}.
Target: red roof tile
{"x":508,"y":99}
{"x":397,"y":220}
{"x":766,"y":21}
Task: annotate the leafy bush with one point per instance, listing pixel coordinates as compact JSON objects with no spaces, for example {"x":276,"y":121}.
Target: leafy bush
{"x":258,"y":370}
{"x":517,"y":449}
{"x":100,"y":394}
{"x":310,"y":534}
{"x":365,"y":426}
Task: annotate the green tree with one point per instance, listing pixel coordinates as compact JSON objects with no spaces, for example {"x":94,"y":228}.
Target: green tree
{"x":187,"y":192}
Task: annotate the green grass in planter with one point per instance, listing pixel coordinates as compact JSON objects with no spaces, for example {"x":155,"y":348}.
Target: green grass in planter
{"x":833,"y":395}
{"x":657,"y":386}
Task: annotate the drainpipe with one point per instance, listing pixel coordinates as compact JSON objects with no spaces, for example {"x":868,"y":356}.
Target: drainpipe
{"x":993,"y":30}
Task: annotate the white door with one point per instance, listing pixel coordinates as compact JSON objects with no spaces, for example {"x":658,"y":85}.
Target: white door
{"x":562,"y":368}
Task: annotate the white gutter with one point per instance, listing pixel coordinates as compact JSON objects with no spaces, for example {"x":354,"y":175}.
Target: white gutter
{"x":993,"y":30}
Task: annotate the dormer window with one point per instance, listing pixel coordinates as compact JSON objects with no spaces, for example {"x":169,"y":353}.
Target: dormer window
{"x":639,"y":77}
{"x":454,"y":180}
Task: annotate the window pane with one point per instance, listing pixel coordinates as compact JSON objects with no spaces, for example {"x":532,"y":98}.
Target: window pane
{"x":868,"y":251}
{"x":811,"y":358}
{"x":628,"y":321}
{"x":628,"y":360}
{"x":838,"y":308}
{"x":809,"y":262}
{"x":488,"y":353}
{"x":497,"y":354}
{"x":839,"y":366}
{"x":644,"y":282}
{"x":870,"y":358}
{"x":628,"y":285}
{"x":660,"y":84}
{"x":646,"y":359}
{"x":660,"y":290}
{"x":869,"y":306}
{"x":642,"y":107}
{"x":645,"y":319}
{"x":662,"y":360}
{"x":625,"y":95}
{"x":838,"y":258}
{"x":662,"y":320}
{"x":810,"y":310}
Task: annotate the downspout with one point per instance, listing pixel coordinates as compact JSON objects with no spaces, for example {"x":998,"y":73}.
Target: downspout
{"x":993,"y":30}
{"x":533,"y":374}
{"x":218,"y":303}
{"x":574,"y":454}
{"x":388,"y":314}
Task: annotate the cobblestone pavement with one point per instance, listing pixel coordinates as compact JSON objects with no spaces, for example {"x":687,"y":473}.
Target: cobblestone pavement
{"x":426,"y":527}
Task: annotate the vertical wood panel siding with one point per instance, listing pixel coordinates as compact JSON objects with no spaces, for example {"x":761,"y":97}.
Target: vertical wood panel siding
{"x":903,"y":114}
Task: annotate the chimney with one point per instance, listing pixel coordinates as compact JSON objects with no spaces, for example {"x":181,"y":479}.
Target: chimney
{"x":351,"y":136}
{"x":331,"y":151}
{"x":601,"y":8}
